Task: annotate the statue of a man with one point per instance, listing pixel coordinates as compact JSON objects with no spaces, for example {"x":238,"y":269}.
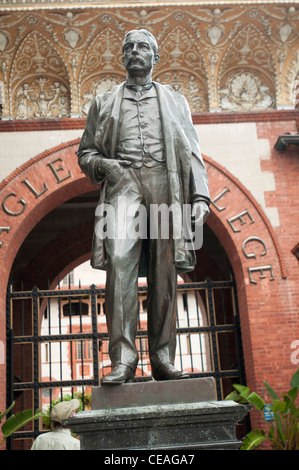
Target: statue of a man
{"x":139,"y":143}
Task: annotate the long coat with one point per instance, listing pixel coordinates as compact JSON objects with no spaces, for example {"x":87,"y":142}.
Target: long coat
{"x":187,"y":175}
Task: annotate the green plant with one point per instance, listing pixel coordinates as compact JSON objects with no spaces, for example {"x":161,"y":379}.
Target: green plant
{"x":283,"y":429}
{"x":17,"y":421}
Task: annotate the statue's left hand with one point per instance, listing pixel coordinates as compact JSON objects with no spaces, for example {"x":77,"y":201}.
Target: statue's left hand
{"x":200,"y":212}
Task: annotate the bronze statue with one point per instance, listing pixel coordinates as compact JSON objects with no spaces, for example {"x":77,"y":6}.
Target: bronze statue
{"x":139,"y":143}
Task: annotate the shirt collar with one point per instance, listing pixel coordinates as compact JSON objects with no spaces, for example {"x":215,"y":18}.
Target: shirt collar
{"x":146,"y":86}
{"x":64,"y":430}
{"x":131,"y":94}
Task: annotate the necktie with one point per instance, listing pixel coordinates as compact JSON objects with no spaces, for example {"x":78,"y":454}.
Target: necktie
{"x":139,"y":88}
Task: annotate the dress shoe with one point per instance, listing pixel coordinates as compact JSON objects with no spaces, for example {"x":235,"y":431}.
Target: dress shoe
{"x":169,"y":372}
{"x":120,"y":374}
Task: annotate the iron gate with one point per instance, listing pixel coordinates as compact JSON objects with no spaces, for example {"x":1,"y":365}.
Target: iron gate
{"x":57,"y":344}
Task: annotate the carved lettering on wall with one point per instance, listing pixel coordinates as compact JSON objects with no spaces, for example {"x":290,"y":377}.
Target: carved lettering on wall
{"x":33,"y":190}
{"x":241,"y":218}
{"x":253,"y":246}
{"x":220,"y":195}
{"x":4,"y":229}
{"x":12,"y":210}
{"x":56,"y":167}
{"x":253,"y":254}
{"x":13,"y":205}
{"x":261,"y":270}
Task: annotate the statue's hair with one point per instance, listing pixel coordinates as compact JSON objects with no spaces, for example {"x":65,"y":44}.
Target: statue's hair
{"x":146,"y":33}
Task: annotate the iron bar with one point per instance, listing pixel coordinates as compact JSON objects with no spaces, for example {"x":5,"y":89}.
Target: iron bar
{"x":194,"y":323}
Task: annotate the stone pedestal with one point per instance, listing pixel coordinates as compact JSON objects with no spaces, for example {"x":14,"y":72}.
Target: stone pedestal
{"x":169,"y":392}
{"x":181,"y":414}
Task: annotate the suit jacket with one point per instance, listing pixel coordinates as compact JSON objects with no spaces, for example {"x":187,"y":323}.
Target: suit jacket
{"x":185,"y":167}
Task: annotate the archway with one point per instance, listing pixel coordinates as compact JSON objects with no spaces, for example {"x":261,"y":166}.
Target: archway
{"x":50,"y":180}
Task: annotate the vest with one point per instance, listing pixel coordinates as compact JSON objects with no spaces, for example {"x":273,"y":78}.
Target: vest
{"x":140,"y":134}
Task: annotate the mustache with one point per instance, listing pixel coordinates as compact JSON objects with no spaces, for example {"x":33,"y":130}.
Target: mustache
{"x":135,"y":59}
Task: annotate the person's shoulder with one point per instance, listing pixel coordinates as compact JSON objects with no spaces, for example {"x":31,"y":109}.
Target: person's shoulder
{"x":44,"y":435}
{"x":41,"y":441}
{"x":74,"y":443}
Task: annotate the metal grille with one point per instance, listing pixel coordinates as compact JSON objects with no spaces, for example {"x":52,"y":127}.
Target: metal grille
{"x":57,"y":343}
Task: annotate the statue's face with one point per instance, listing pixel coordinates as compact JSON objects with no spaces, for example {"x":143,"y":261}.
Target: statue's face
{"x":139,"y":55}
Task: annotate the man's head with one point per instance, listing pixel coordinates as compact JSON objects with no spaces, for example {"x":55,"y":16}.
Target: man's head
{"x":140,"y":52}
{"x":64,"y":410}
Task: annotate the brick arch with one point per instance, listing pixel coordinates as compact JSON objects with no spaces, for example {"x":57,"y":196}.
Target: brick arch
{"x":57,"y":258}
{"x":34,"y":190}
{"x":234,"y":206}
{"x":53,"y":177}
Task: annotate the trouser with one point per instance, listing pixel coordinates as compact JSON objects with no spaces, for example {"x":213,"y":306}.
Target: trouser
{"x":143,"y":186}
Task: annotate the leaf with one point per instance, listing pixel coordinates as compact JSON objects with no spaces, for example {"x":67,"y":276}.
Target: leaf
{"x":233,"y":396}
{"x":18,"y":420}
{"x":253,"y":439}
{"x":295,"y":379}
{"x":244,"y":391}
{"x":290,"y":407}
{"x":280,"y":427}
{"x":256,"y":401}
{"x":293,"y":393}
{"x":6,"y":411}
{"x":279,"y":406}
{"x":271,"y":433}
{"x":271,"y":392}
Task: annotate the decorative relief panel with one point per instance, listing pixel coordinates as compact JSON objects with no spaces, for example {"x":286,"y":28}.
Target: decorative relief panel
{"x":190,"y":86}
{"x":182,"y":66}
{"x":97,"y":86}
{"x":100,"y":62}
{"x":244,"y":90}
{"x":247,"y":73}
{"x":221,"y":57}
{"x":41,"y":98}
{"x":39,"y":85}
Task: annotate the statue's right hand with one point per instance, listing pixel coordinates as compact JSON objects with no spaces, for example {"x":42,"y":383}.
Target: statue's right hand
{"x":111,"y":170}
{"x":107,"y":166}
